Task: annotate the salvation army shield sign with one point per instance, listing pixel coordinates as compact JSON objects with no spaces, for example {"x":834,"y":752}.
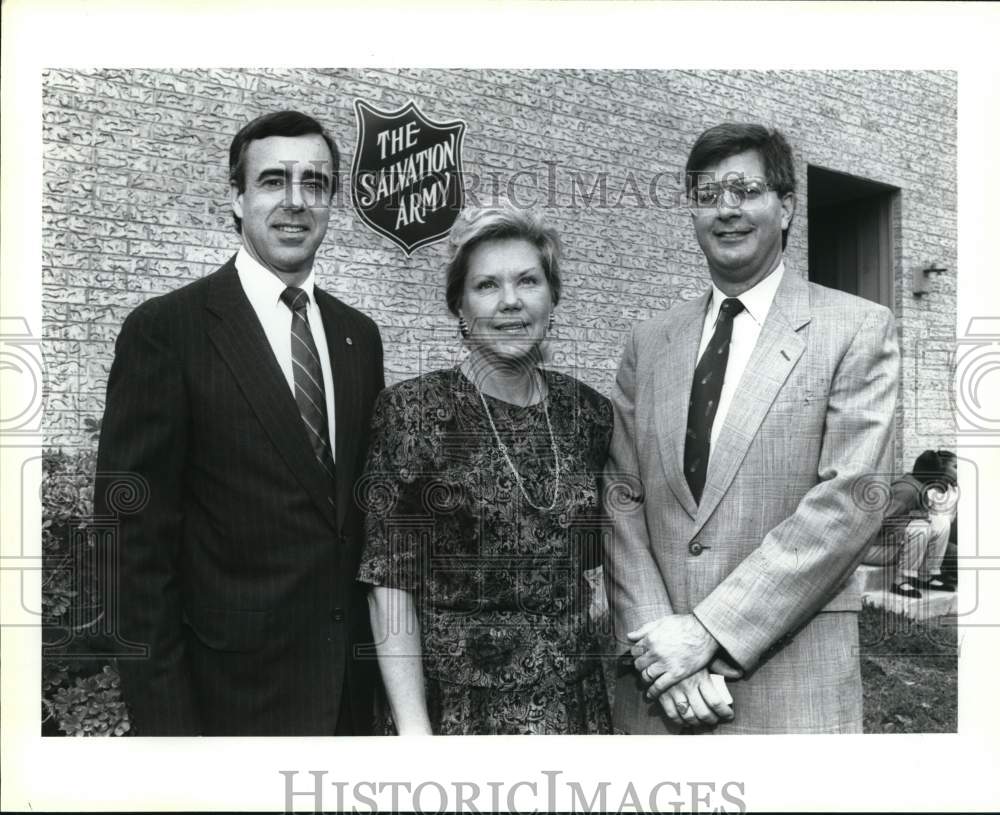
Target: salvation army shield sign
{"x":406,"y":179}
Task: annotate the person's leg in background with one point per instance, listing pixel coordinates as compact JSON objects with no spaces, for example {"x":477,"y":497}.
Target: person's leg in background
{"x":929,"y":577}
{"x":949,"y":566}
{"x":913,"y":551}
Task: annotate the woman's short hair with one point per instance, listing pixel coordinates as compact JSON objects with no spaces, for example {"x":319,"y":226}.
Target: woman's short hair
{"x":477,"y":226}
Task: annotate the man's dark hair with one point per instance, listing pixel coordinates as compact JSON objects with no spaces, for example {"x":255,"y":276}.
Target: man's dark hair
{"x":730,"y":138}
{"x":281,"y":123}
{"x":929,"y":467}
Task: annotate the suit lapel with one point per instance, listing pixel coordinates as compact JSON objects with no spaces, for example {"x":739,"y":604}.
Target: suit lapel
{"x":672,"y":392}
{"x":242,"y":343}
{"x":344,"y":362}
{"x":775,"y":355}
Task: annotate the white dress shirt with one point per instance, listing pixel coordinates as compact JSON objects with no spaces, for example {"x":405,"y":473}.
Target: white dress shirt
{"x":746,"y":329}
{"x":263,"y":288}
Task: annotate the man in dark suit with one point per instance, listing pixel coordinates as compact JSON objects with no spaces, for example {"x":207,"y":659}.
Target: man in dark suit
{"x":239,"y":407}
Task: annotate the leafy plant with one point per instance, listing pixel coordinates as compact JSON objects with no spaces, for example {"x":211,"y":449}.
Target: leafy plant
{"x":89,"y":705}
{"x":93,"y":427}
{"x":80,"y":687}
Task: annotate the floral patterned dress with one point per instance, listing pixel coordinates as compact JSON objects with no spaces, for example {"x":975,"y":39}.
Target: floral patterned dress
{"x":508,"y":646}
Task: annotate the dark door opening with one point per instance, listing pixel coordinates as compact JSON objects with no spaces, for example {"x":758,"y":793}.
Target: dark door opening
{"x":851,"y":234}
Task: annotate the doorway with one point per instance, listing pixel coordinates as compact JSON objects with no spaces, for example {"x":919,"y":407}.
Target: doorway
{"x":851,"y":234}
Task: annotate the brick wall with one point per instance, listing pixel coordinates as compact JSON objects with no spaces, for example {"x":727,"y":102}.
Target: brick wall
{"x":136,"y":202}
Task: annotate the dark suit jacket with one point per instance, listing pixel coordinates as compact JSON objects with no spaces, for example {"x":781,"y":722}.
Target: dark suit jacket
{"x":237,"y":562}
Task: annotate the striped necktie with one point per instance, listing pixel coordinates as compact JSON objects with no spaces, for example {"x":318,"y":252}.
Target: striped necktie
{"x":706,"y":388}
{"x":310,"y":395}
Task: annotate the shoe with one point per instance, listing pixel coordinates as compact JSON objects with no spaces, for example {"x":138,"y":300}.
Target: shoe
{"x":935,"y":583}
{"x":900,"y":588}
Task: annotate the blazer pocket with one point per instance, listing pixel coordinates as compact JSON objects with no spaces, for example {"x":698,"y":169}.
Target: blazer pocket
{"x":803,"y":393}
{"x":224,"y":629}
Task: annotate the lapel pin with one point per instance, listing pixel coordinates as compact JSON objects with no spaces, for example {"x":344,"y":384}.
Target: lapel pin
{"x":350,"y":341}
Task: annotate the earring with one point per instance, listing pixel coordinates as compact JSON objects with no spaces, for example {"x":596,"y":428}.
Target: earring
{"x":552,"y":319}
{"x":463,"y":327}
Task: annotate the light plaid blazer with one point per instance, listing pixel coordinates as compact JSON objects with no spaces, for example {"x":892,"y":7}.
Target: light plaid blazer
{"x":787,"y":507}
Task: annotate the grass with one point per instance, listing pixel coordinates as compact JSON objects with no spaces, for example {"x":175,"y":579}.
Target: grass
{"x":909,"y":670}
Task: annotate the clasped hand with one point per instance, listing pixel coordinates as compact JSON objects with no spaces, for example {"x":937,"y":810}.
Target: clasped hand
{"x":671,"y":655}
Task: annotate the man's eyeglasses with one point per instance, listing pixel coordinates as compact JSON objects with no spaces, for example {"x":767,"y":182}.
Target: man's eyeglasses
{"x":740,"y":193}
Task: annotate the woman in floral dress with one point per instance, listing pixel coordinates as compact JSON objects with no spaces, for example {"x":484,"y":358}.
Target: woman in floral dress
{"x":483,"y":501}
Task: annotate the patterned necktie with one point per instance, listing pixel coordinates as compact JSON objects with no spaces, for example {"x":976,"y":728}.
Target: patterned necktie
{"x":705,"y":391}
{"x":310,"y":395}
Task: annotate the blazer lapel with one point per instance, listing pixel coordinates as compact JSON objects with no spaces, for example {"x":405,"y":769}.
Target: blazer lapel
{"x":775,"y":355}
{"x":240,"y":340}
{"x":345,"y":364}
{"x":672,"y":393}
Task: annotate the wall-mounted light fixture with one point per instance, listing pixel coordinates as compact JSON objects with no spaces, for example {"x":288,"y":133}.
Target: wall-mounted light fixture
{"x":921,"y":277}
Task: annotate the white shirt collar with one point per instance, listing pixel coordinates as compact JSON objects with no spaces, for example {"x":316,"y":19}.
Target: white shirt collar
{"x":262,"y":286}
{"x":757,"y":301}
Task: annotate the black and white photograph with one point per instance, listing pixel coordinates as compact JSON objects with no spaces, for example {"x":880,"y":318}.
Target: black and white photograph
{"x":368,"y":402}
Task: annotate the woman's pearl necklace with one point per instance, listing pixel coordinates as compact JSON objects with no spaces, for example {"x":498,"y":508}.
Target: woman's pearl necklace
{"x":510,"y":462}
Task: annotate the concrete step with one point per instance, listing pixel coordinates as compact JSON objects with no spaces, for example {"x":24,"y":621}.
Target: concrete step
{"x":875,"y":582}
{"x":873,"y":578}
{"x":932,"y":604}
